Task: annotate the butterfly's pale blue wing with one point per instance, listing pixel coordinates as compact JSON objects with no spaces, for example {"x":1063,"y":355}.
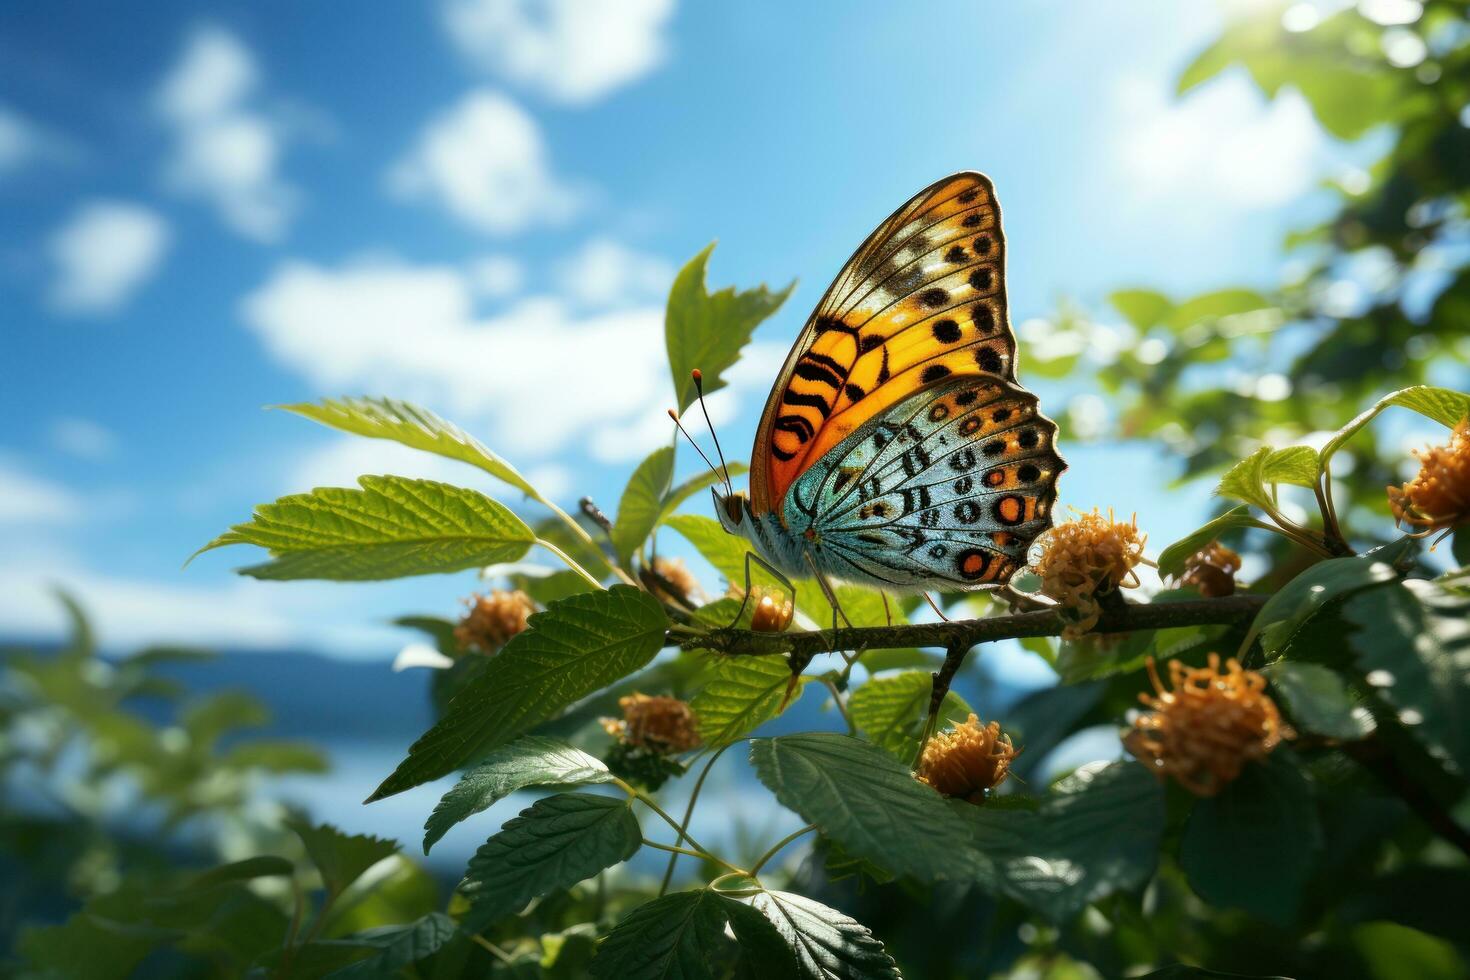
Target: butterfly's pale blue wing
{"x":946,"y":490}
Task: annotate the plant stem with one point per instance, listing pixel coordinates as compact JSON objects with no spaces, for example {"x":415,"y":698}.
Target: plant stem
{"x":581,"y":532}
{"x":495,"y":950}
{"x":841,"y":705}
{"x":776,"y":848}
{"x":570,"y":562}
{"x":649,"y":802}
{"x":673,"y":850}
{"x":688,"y":815}
{"x":1126,"y":618}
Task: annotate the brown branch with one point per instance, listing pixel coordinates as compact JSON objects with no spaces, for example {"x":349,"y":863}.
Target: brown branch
{"x":1125,"y":618}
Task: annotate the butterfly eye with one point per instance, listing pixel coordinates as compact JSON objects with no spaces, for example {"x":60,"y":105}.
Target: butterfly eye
{"x":735,"y":507}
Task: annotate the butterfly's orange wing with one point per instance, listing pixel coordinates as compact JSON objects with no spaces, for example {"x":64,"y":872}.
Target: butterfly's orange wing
{"x":923,"y":299}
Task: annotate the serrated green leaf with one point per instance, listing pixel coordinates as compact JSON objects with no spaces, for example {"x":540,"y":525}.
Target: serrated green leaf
{"x":1144,"y":308}
{"x":397,"y":947}
{"x":891,"y":711}
{"x":642,"y":502}
{"x":418,"y":428}
{"x":1412,"y":644}
{"x":1325,"y":582}
{"x":827,"y":944}
{"x":340,"y":857}
{"x":552,"y":845}
{"x":1096,"y":832}
{"x":1445,"y":406}
{"x":1297,"y":465}
{"x":391,"y":528}
{"x":87,"y":946}
{"x":1254,"y":845}
{"x":274,"y":756}
{"x":1319,"y":700}
{"x":81,"y":642}
{"x":1172,"y":558}
{"x":864,"y":799}
{"x":669,"y":938}
{"x":741,"y":694}
{"x":708,"y":330}
{"x":578,"y":645}
{"x":531,"y":760}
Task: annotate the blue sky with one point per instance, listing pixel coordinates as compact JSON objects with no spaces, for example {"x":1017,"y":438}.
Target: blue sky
{"x":478,"y":204}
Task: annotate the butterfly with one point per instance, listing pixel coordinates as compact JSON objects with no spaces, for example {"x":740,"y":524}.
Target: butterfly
{"x":896,"y":450}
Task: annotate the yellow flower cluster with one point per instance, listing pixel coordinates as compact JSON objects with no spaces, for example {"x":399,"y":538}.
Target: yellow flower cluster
{"x":1211,"y":571}
{"x":493,"y":619}
{"x":968,"y":760}
{"x":659,"y":724}
{"x":1438,"y":498}
{"x":1204,"y":731}
{"x":1085,"y":558}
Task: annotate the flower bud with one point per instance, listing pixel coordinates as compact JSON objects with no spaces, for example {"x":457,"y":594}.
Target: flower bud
{"x":493,"y":619}
{"x":1211,"y":571}
{"x":967,"y":761}
{"x":1204,"y":731}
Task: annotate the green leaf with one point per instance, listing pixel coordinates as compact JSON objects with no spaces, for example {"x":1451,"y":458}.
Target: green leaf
{"x":578,"y":645}
{"x":891,"y":711}
{"x":1445,"y":406}
{"x":553,"y":844}
{"x":418,"y":428}
{"x":694,"y":484}
{"x":707,"y":330}
{"x":264,"y":866}
{"x":397,"y":947}
{"x":1327,"y":581}
{"x":1172,"y":558}
{"x":528,"y":761}
{"x":1144,"y":308}
{"x":1413,"y":647}
{"x":1319,"y":700}
{"x":763,"y":949}
{"x":1297,"y":465}
{"x":741,"y":694}
{"x":1254,"y":846}
{"x":1181,"y":972}
{"x":669,"y":938}
{"x":340,"y":857}
{"x":1216,"y":305}
{"x":1246,"y":480}
{"x":81,"y":642}
{"x":1396,"y":952}
{"x":274,"y":756}
{"x":827,"y":944}
{"x":1095,"y":833}
{"x":87,"y":946}
{"x":642,"y":503}
{"x":864,"y":799}
{"x":391,"y":528}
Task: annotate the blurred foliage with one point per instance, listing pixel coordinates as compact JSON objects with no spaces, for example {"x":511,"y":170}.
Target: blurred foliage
{"x":1340,"y":849}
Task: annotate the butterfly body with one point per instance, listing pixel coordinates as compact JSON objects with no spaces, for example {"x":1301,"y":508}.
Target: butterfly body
{"x":895,"y":450}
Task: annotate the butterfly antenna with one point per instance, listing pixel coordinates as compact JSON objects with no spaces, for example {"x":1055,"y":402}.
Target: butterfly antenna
{"x":675,"y":416}
{"x":699,"y":387}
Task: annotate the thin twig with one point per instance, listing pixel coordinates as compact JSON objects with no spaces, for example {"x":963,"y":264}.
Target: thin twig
{"x":776,"y":848}
{"x":1128,"y":617}
{"x":689,"y":814}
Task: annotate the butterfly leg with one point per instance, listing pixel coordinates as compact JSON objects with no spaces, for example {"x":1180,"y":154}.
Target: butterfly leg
{"x":942,"y":679}
{"x":935,"y":606}
{"x":751,"y":556}
{"x":887,"y":613}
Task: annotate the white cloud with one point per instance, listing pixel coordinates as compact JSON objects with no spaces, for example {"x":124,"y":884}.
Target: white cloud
{"x":226,"y":152}
{"x":339,"y":463}
{"x":23,"y":142}
{"x":573,"y":51}
{"x":485,"y":163}
{"x":530,"y":380}
{"x":1225,"y":137}
{"x":82,"y":438}
{"x":496,"y":276}
{"x":132,"y":612}
{"x":103,"y":254}
{"x":29,"y":499}
{"x":605,"y":273}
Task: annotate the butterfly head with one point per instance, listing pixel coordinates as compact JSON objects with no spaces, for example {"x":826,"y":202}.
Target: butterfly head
{"x":733,"y":510}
